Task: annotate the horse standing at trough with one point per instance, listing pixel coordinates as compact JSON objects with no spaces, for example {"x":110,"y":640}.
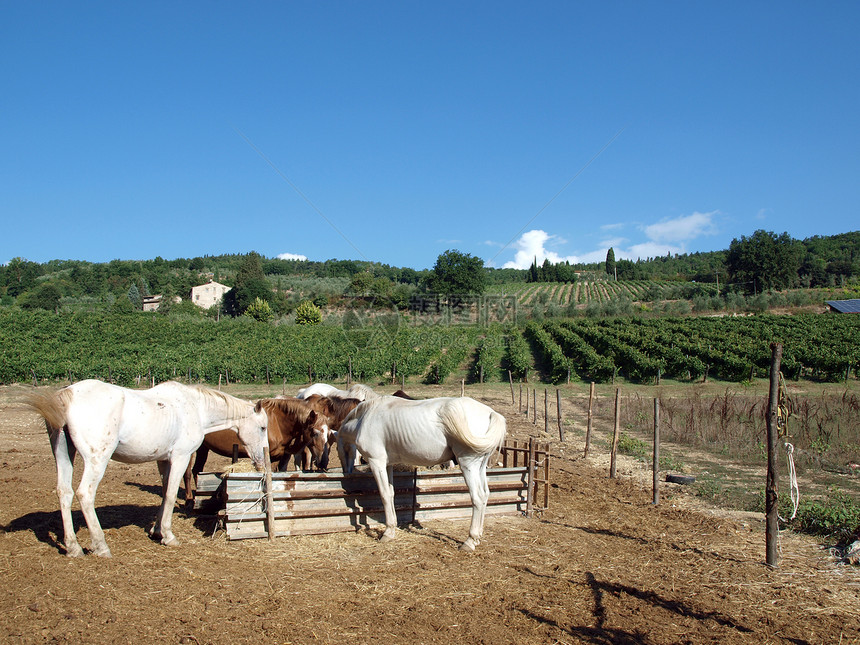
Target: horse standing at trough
{"x":165,"y":424}
{"x":389,"y":430}
{"x":295,"y":426}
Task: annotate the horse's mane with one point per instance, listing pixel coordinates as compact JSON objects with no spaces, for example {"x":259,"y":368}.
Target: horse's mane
{"x":298,"y":408}
{"x":361,"y":392}
{"x":340,"y":407}
{"x":236,"y":407}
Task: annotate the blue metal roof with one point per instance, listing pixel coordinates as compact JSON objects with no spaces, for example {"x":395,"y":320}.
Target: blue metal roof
{"x":845,"y":306}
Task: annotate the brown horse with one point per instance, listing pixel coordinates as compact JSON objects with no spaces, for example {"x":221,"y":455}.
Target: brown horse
{"x":295,"y":425}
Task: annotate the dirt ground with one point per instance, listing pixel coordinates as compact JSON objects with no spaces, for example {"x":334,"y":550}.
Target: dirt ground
{"x":601,"y":565}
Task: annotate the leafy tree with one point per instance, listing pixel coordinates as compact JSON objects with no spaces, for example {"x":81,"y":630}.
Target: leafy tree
{"x":250,"y":284}
{"x":20,"y":276}
{"x":610,"y":262}
{"x":457,"y":273}
{"x":260,"y":310}
{"x":45,"y":296}
{"x":361,"y":283}
{"x":764,"y":260}
{"x":135,"y":298}
{"x":307,"y":313}
{"x":627,"y":270}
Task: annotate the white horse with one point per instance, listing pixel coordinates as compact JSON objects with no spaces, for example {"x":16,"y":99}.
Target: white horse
{"x":357,"y":391}
{"x":323,"y":389}
{"x":388,"y":430}
{"x":164,"y":424}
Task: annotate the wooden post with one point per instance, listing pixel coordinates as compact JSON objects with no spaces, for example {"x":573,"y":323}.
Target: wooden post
{"x":270,"y":499}
{"x":235,"y":456}
{"x":511,"y":380}
{"x":558,"y":411}
{"x":349,"y":374}
{"x":527,"y":402}
{"x":520,"y":408}
{"x":545,"y":411}
{"x":284,"y":386}
{"x":462,"y":387}
{"x":772,"y":488}
{"x":615,"y":432}
{"x":655,"y":464}
{"x":219,"y":380}
{"x":310,"y":375}
{"x":531,"y":478}
{"x":534,"y":406}
{"x":268,"y":382}
{"x":481,"y":375}
{"x":590,"y":418}
{"x":33,"y":372}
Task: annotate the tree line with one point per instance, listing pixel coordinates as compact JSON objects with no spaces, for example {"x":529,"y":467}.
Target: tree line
{"x":752,"y":264}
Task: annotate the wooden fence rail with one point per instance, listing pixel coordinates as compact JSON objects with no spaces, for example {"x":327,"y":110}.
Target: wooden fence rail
{"x":306,"y":503}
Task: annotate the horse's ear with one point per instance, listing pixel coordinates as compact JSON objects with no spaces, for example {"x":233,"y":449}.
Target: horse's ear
{"x":312,"y":417}
{"x":258,"y":406}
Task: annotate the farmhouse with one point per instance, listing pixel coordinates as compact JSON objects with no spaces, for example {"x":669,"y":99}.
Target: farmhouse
{"x":209,"y":294}
{"x":844,"y":306}
{"x":151,"y":303}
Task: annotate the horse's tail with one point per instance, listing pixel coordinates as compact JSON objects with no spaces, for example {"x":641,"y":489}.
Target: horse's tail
{"x":455,"y":418}
{"x":52,"y":406}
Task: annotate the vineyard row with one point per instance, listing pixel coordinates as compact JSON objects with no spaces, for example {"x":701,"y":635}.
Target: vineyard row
{"x":122,"y":348}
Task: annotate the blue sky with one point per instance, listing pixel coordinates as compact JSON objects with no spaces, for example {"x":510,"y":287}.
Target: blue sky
{"x":393,"y":131}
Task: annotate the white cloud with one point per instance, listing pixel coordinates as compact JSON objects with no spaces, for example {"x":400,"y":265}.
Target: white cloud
{"x":668,"y":236}
{"x":292,"y":256}
{"x":532,"y":246}
{"x":683,"y":228}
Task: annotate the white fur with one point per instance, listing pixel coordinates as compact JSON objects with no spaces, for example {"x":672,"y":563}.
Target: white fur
{"x":388,"y":430}
{"x":164,"y":424}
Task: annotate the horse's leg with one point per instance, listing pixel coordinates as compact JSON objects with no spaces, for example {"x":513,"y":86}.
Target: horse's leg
{"x":284,"y":463}
{"x":164,"y":521}
{"x":188,"y":481}
{"x":475,"y":473}
{"x":164,"y":472}
{"x":382,"y":473}
{"x":64,"y":455}
{"x":196,"y":463}
{"x":94,"y":470}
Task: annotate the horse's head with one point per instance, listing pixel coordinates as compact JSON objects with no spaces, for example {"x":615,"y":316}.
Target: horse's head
{"x":253,"y":431}
{"x":316,"y":437}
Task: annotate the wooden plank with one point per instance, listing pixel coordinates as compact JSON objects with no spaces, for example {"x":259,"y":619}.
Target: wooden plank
{"x":316,"y":503}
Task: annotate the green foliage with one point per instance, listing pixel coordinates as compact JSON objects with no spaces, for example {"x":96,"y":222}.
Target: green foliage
{"x":836,"y":515}
{"x":135,"y":297}
{"x":307,"y":313}
{"x":457,"y":273}
{"x":610,"y":264}
{"x":518,"y":356}
{"x":249,"y":285}
{"x":45,"y":296}
{"x":260,"y":310}
{"x":764,"y":261}
{"x":632,"y":446}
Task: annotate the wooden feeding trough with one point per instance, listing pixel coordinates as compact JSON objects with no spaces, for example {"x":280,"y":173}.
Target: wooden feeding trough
{"x":303,"y":503}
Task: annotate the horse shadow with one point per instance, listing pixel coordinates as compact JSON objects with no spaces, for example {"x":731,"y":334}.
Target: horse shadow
{"x":603,"y":634}
{"x":47,"y":526}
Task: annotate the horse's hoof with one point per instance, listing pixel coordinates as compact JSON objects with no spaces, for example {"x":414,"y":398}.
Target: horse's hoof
{"x":102,"y":552}
{"x":170,"y":541}
{"x":386,"y":537}
{"x":74,"y":551}
{"x":468,"y":546}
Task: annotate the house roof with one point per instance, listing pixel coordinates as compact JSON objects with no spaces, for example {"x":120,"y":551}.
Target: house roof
{"x":845,"y":306}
